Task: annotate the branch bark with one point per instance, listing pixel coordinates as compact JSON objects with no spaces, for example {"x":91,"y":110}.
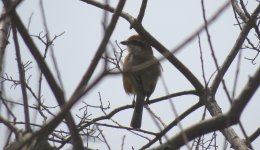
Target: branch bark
{"x":58,"y":93}
{"x":221,"y":121}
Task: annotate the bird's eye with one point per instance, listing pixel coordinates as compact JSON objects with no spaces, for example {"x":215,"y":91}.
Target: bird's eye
{"x":137,"y":43}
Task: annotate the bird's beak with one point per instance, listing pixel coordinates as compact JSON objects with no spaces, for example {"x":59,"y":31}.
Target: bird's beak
{"x":124,"y":42}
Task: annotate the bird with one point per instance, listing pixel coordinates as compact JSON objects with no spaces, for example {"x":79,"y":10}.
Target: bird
{"x":141,"y":71}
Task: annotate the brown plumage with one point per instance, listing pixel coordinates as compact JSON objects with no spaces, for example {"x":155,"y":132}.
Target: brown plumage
{"x":139,"y":80}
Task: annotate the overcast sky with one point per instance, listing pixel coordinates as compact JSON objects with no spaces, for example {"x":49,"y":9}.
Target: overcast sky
{"x":170,"y":22}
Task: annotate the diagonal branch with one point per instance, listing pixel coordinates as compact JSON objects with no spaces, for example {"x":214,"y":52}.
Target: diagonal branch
{"x":58,"y":93}
{"x":156,"y":44}
{"x":220,"y":122}
{"x":172,"y":124}
{"x":238,"y":10}
{"x":142,"y":11}
{"x":154,"y":101}
{"x":22,"y":79}
{"x":50,"y":46}
{"x":254,"y":136}
{"x":234,"y":51}
{"x":81,"y":89}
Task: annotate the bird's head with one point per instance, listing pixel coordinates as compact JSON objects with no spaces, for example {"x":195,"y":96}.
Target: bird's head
{"x":137,"y":45}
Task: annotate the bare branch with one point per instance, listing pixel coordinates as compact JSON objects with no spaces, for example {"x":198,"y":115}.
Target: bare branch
{"x":51,"y":48}
{"x":80,"y":90}
{"x":172,"y":124}
{"x":50,"y":79}
{"x":254,"y":135}
{"x":221,"y":121}
{"x":237,"y":46}
{"x":142,"y":11}
{"x":22,"y":80}
{"x":165,"y":52}
{"x":239,"y":10}
{"x":9,"y":125}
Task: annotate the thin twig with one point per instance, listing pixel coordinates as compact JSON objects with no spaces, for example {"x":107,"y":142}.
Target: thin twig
{"x":202,"y":63}
{"x":157,"y":45}
{"x":80,"y":90}
{"x":22,"y":80}
{"x":222,"y":121}
{"x":172,"y":124}
{"x":238,"y":44}
{"x":51,"y":47}
{"x":103,"y":136}
{"x":57,"y":91}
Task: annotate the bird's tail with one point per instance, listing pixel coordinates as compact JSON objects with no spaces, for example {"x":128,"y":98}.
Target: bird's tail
{"x":138,"y":111}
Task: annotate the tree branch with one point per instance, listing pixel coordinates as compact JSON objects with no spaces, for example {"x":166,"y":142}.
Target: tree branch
{"x":221,"y":121}
{"x":142,"y":11}
{"x":58,"y":93}
{"x":22,"y":80}
{"x":237,"y":46}
{"x":172,"y":124}
{"x":156,"y":44}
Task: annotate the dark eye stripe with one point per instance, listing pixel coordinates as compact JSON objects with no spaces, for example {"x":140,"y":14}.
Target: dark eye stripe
{"x":137,"y":42}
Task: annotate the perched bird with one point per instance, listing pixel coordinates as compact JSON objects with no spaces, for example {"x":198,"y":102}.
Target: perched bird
{"x":141,"y":71}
